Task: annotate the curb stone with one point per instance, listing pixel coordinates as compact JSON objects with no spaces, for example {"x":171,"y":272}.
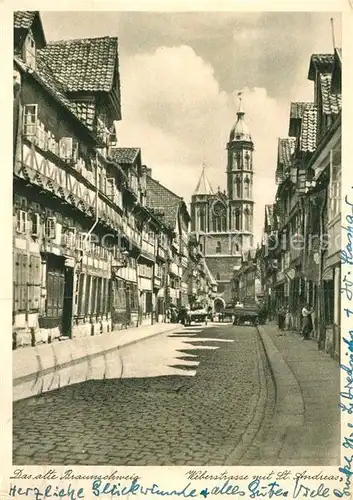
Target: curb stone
{"x":288,"y":418}
{"x":51,"y":366}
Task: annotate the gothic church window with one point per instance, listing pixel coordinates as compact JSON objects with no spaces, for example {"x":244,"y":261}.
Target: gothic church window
{"x":237,"y":183}
{"x":218,"y":247}
{"x":219,"y":218}
{"x":247,"y":219}
{"x":202,"y":220}
{"x":237,"y":215}
{"x":247,"y":161}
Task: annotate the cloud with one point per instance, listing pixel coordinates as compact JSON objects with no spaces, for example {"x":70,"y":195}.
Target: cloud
{"x":175,"y":111}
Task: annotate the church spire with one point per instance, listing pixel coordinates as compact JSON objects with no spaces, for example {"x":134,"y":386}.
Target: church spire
{"x":203,"y":186}
{"x":240,"y":131}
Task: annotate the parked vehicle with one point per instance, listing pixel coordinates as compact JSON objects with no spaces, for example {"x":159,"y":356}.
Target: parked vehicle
{"x":196,"y":316}
{"x":246,"y":313}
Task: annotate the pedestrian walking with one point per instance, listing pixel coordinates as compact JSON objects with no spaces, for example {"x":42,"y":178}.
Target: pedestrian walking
{"x":281,"y":317}
{"x":288,"y":319}
{"x":307,"y":322}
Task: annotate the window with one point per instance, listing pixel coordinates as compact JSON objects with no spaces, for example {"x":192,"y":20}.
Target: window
{"x":149,"y":305}
{"x":70,"y":237}
{"x":237,"y":183}
{"x":218,"y":247}
{"x":21,"y":221}
{"x":68,"y":149}
{"x":50,"y":228}
{"x":237,"y":160}
{"x":29,"y":54}
{"x":83,"y":242}
{"x":247,"y":219}
{"x":248,"y":161}
{"x":219,"y":218}
{"x":246,"y":187}
{"x":237,"y":216}
{"x":202,"y":220}
{"x":335,"y":184}
{"x":30,"y":112}
{"x":35,"y":225}
{"x":218,"y":276}
{"x":111,"y":188}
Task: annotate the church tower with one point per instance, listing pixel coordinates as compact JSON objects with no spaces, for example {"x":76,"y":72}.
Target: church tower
{"x":240,"y":174}
{"x":223,"y":220}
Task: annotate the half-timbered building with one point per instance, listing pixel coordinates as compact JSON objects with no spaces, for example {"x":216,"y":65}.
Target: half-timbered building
{"x":84,"y":240}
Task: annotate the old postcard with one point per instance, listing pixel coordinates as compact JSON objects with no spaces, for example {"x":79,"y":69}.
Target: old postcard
{"x":177,"y":250}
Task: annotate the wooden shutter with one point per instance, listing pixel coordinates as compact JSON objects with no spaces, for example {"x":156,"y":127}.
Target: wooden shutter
{"x":16,"y":282}
{"x":23,"y":282}
{"x":34,"y":282}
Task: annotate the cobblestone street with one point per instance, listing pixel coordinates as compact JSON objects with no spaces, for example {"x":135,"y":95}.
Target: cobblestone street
{"x":220,"y":398}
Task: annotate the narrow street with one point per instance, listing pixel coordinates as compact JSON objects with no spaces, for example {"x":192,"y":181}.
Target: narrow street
{"x":190,"y":397}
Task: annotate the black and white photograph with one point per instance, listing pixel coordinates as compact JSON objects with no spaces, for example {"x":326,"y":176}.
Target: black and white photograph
{"x":176,"y":238}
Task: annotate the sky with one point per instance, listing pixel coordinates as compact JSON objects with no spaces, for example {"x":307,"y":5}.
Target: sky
{"x":180,"y":75}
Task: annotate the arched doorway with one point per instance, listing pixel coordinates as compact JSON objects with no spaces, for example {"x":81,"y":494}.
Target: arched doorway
{"x":218,"y":304}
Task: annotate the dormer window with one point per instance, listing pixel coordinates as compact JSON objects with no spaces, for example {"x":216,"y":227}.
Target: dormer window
{"x":29,"y":51}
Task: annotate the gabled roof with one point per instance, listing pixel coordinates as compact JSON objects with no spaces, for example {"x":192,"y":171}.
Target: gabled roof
{"x":45,"y":77}
{"x":160,"y":198}
{"x":285,"y":150}
{"x":23,"y":19}
{"x":203,"y":186}
{"x":307,"y":142}
{"x":26,"y":20}
{"x":297,"y":110}
{"x":125,"y":155}
{"x":323,"y":63}
{"x":269,"y":216}
{"x":83,"y":65}
{"x":331,"y":103}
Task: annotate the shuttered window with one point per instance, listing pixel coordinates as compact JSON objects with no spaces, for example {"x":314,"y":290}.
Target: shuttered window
{"x":34,"y":282}
{"x":20,"y":278}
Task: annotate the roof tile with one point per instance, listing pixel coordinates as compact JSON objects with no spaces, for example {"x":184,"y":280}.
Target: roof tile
{"x":321,"y":62}
{"x":285,"y":150}
{"x":83,"y":65}
{"x":23,"y":19}
{"x":307,"y":142}
{"x":125,"y":155}
{"x":162,"y":199}
{"x":331,"y":103}
{"x":297,"y":110}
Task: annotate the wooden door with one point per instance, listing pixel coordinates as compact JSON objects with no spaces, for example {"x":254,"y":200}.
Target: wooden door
{"x":54,"y":306}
